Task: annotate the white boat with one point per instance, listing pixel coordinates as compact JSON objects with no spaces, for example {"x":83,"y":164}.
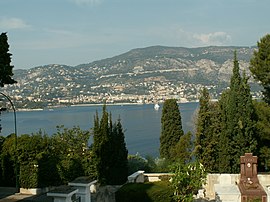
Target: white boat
{"x":156,"y":107}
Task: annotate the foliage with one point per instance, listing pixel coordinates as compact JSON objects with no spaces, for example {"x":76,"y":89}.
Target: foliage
{"x":119,"y":153}
{"x":263,"y":127}
{"x":182,"y":151}
{"x":8,"y":161}
{"x":260,"y":65}
{"x":5,"y":60}
{"x":238,"y":132}
{"x":71,"y":147}
{"x":45,"y":161}
{"x":147,"y":192}
{"x":137,"y":162}
{"x":207,"y":132}
{"x":187,"y":180}
{"x":2,"y":139}
{"x":171,"y":128}
{"x":109,"y":150}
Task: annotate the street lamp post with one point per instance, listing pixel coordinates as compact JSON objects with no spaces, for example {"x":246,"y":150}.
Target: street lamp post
{"x":16,"y":153}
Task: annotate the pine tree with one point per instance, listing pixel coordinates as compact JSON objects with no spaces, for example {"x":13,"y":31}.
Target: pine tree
{"x":171,"y":128}
{"x":260,"y":65}
{"x":5,"y":60}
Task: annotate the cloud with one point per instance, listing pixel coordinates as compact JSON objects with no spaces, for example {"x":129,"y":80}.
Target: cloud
{"x":87,"y":2}
{"x":12,"y":23}
{"x":175,"y":35}
{"x":215,"y":38}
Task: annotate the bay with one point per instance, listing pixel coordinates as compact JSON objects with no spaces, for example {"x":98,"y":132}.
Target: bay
{"x":142,"y":123}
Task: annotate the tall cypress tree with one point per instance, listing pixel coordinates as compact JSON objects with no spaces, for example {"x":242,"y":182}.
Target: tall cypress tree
{"x":245,"y":140}
{"x":5,"y":60}
{"x":207,"y":131}
{"x":224,"y":160}
{"x":238,"y":133}
{"x":119,"y":166}
{"x":101,"y":147}
{"x":109,"y":150}
{"x":171,"y":128}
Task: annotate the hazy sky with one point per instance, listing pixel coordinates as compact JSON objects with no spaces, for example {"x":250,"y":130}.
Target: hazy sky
{"x":73,"y":32}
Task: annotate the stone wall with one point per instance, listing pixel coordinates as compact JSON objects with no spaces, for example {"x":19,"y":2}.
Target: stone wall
{"x":222,"y":179}
{"x":211,"y":181}
{"x":227,"y":179}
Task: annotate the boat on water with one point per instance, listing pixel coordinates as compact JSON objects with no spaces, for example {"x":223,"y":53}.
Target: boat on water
{"x":156,"y":107}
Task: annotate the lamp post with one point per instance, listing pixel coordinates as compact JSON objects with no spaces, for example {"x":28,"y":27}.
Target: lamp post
{"x":16,"y":153}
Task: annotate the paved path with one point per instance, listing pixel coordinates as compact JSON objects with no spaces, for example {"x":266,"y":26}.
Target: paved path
{"x":8,"y":194}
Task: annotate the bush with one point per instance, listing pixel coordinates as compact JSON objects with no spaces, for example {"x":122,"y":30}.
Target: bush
{"x":147,"y":192}
{"x":187,"y":179}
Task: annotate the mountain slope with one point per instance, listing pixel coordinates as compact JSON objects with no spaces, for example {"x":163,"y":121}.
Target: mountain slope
{"x":152,"y":73}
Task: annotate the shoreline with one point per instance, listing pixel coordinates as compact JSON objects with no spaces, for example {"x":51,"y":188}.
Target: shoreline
{"x":92,"y":105}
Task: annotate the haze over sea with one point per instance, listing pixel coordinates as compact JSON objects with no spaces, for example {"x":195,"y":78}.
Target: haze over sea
{"x":142,"y":123}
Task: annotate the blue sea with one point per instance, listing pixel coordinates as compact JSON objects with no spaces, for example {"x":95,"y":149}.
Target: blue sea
{"x":141,"y":123}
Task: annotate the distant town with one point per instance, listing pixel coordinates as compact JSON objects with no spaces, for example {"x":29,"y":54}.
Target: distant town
{"x":141,"y":76}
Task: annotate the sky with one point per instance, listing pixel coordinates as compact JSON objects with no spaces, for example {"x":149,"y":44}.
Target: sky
{"x":73,"y":32}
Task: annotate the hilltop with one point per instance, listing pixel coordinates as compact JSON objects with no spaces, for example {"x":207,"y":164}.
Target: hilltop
{"x":144,"y":75}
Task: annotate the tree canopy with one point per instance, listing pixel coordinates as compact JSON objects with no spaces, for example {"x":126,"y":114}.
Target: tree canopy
{"x":5,"y":62}
{"x":171,"y":128}
{"x":260,"y":65}
{"x":227,"y":129}
{"x":207,"y":130}
{"x":109,"y":150}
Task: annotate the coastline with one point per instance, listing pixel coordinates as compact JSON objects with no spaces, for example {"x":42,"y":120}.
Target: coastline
{"x":51,"y":108}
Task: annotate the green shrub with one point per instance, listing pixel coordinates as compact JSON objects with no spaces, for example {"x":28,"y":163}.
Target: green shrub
{"x":187,"y":179}
{"x":147,"y":192}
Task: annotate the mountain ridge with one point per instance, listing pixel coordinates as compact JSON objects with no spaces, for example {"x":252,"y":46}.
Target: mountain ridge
{"x":148,"y":74}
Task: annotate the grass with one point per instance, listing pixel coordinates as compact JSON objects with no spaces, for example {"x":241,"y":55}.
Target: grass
{"x":145,"y":192}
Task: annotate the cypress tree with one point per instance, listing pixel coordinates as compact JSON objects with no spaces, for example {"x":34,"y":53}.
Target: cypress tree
{"x":101,"y":147}
{"x":182,"y":151}
{"x":5,"y":60}
{"x":171,"y":128}
{"x":238,"y":122}
{"x":109,"y":150}
{"x":207,"y":132}
{"x":224,"y":164}
{"x":119,"y":166}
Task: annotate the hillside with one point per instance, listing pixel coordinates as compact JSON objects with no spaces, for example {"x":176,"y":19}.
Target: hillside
{"x":140,"y":75}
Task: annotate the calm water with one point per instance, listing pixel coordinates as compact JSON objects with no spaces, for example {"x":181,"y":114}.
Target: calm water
{"x":141,"y":122}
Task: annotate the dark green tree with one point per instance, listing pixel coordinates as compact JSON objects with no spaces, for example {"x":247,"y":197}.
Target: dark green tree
{"x":238,"y":131}
{"x":171,"y":128}
{"x":182,"y":152}
{"x":260,"y":65}
{"x":101,"y":147}
{"x":109,"y":150}
{"x":119,"y":166}
{"x":5,"y":62}
{"x":207,"y":131}
{"x":71,"y":147}
{"x":8,"y":161}
{"x":263,"y":127}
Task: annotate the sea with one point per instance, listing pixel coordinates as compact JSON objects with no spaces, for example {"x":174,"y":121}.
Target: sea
{"x":141,"y":122}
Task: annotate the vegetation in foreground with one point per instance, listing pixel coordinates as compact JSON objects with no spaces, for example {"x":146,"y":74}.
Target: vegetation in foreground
{"x":225,"y":130}
{"x":147,"y":192}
